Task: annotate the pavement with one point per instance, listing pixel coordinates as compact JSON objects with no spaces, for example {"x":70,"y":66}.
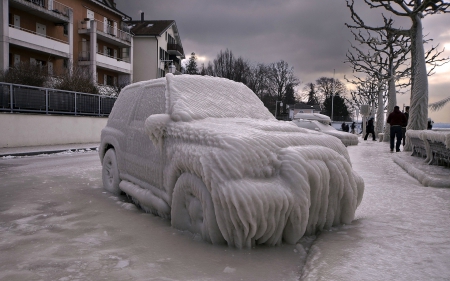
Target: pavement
{"x":45,"y":149}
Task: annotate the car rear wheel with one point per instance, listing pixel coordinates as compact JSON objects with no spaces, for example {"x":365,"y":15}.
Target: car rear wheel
{"x":110,"y":172}
{"x":193,"y":209}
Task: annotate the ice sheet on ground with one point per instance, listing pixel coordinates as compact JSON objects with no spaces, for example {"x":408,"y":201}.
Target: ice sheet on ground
{"x":400,"y":231}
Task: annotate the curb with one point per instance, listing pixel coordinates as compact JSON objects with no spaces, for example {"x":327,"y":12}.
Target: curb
{"x":34,"y":153}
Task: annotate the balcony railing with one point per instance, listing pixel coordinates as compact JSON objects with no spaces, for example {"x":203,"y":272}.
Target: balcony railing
{"x":104,"y":28}
{"x":39,"y":34}
{"x":175,"y":49}
{"x":49,"y":5}
{"x":22,"y":98}
{"x":86,"y":56}
{"x":59,"y":8}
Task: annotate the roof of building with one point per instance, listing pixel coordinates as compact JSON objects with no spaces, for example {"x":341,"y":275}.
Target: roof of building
{"x":150,"y":27}
{"x":111,"y":5}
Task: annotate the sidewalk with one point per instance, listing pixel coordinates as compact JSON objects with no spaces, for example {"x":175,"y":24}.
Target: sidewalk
{"x":45,"y":149}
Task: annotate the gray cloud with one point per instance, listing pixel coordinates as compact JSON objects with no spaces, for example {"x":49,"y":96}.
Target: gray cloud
{"x":310,"y":35}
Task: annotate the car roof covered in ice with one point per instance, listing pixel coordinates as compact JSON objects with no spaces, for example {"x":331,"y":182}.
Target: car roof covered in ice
{"x":195,"y":97}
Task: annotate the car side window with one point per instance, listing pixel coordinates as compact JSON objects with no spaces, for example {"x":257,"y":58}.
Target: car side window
{"x":121,"y":109}
{"x":152,"y":101}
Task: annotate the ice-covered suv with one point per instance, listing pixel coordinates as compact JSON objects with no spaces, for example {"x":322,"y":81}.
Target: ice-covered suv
{"x":206,"y":153}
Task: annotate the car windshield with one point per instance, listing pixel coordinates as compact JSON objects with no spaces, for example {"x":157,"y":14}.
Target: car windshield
{"x":194,"y":97}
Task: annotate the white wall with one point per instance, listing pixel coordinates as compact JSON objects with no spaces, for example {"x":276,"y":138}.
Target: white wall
{"x":31,"y":129}
{"x":145,"y":58}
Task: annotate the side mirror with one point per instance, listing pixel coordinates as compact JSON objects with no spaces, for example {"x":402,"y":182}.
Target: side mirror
{"x":155,"y":127}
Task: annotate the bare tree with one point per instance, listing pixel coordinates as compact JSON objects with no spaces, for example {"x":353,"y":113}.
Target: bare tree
{"x":439,"y":104}
{"x":281,"y":77}
{"x":386,"y":55}
{"x":415,"y":10}
{"x":329,"y":86}
{"x":224,"y":64}
{"x":258,"y":80}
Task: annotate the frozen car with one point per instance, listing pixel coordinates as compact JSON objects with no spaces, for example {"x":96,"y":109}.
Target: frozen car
{"x":324,"y":119}
{"x":346,"y":138}
{"x":205,"y":153}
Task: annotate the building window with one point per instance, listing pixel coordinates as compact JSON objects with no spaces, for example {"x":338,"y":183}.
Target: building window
{"x":109,"y":52}
{"x":109,"y":80}
{"x":171,"y":40}
{"x":162,"y":73}
{"x":66,"y":29}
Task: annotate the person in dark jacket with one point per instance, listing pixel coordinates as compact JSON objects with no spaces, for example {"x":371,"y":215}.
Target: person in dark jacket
{"x":370,"y":129}
{"x":404,"y":125}
{"x":396,"y":119}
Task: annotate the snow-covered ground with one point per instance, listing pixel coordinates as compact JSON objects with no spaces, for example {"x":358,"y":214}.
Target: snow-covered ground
{"x":401,"y":231}
{"x":57,"y":223}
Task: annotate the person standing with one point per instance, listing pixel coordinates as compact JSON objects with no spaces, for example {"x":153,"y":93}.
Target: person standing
{"x":343,"y":127}
{"x":370,"y":129}
{"x":396,"y":119}
{"x":404,"y":125}
{"x":353,"y":127}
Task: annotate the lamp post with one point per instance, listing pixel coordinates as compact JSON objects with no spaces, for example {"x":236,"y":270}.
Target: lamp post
{"x":332,"y":95}
{"x":276,"y":107}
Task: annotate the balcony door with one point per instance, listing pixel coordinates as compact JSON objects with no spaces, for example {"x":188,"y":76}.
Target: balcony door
{"x":17,"y":21}
{"x":90,"y":16}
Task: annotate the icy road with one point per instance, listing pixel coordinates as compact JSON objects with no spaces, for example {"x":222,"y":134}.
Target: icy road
{"x":57,"y":223}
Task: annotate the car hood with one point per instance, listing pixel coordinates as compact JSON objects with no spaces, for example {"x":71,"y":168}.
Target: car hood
{"x":238,"y":135}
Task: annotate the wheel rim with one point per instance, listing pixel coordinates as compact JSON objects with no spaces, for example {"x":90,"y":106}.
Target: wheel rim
{"x":108,"y":171}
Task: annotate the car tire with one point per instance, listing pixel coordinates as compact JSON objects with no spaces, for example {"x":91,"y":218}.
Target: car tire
{"x":110,"y":172}
{"x":193,"y":209}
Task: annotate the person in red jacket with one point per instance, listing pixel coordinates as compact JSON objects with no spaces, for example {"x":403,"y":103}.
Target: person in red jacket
{"x":396,"y":119}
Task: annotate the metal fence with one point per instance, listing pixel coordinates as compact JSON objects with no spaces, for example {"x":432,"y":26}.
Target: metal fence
{"x":22,"y":98}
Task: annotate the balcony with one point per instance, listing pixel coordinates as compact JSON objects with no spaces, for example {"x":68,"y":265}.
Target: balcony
{"x":107,"y":33}
{"x":175,"y":49}
{"x":106,"y":62}
{"x":47,"y":9}
{"x":38,"y":42}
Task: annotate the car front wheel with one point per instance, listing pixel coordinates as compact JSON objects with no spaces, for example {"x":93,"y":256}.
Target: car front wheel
{"x":193,"y":209}
{"x":110,"y":172}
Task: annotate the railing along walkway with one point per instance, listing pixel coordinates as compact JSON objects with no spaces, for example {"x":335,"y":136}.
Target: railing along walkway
{"x":29,"y":99}
{"x":432,"y":144}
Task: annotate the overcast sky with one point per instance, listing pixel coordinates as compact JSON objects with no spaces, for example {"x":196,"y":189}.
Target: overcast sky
{"x":310,"y":36}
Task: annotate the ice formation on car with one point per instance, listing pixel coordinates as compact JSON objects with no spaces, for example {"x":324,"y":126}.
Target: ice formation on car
{"x":235,"y":174}
{"x":346,"y":138}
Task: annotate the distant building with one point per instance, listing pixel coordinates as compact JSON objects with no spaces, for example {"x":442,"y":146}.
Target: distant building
{"x":156,"y":46}
{"x":65,"y":33}
{"x":302,"y":107}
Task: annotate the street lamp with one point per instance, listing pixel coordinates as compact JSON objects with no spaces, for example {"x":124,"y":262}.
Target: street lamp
{"x":171,"y":66}
{"x":276,"y":107}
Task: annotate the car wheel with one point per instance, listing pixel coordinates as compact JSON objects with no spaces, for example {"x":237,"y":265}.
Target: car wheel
{"x":193,"y":209}
{"x":110,"y":172}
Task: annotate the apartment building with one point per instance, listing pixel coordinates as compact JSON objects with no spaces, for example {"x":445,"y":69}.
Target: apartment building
{"x":157,"y":46}
{"x":59,"y":35}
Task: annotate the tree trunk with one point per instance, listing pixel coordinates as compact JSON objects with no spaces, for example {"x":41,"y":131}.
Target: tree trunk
{"x":392,"y":101}
{"x":418,"y":111}
{"x":380,"y":111}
